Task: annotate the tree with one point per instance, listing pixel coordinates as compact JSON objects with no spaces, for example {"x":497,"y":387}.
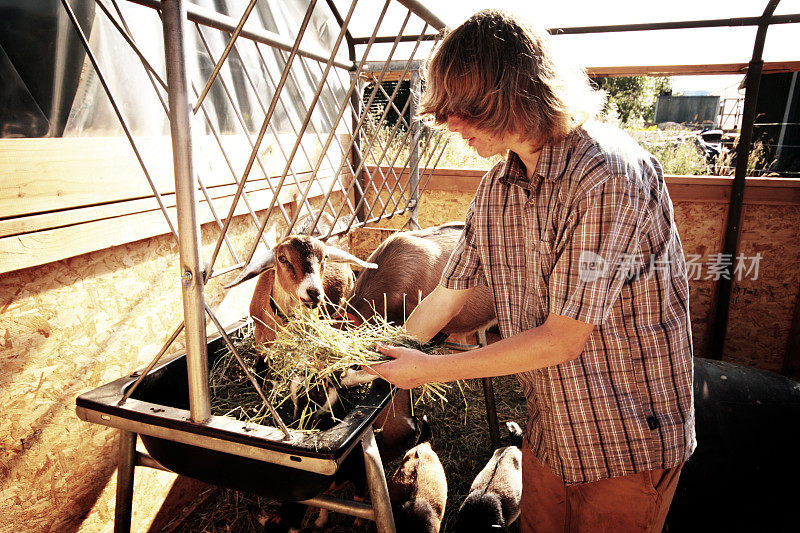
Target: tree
{"x":634,"y":96}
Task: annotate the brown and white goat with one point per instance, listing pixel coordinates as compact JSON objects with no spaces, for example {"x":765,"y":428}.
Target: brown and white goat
{"x":410,"y":265}
{"x":418,"y":488}
{"x":299,"y":270}
{"x":494,"y":499}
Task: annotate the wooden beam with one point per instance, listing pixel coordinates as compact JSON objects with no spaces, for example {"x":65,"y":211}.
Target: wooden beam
{"x":776,"y":191}
{"x":45,"y":175}
{"x":690,"y":70}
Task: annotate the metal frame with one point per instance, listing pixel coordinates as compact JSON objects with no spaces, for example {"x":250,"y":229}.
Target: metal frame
{"x":183,"y":100}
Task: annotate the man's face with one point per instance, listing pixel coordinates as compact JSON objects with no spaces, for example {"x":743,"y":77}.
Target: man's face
{"x":485,"y":143}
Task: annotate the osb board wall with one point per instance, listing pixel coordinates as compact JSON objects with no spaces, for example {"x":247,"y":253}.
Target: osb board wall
{"x":761,"y":309}
{"x":65,"y":328}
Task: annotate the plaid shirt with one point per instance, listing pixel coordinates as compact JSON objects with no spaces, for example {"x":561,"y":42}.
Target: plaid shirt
{"x":592,"y":237}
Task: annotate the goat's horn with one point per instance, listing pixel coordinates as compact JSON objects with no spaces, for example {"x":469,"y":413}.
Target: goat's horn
{"x":261,"y":261}
{"x":340,"y":256}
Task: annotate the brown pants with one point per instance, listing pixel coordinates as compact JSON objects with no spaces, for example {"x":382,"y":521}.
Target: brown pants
{"x":638,"y":502}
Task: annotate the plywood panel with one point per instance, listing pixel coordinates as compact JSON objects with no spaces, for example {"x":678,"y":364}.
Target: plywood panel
{"x":763,"y":301}
{"x":42,"y":175}
{"x":67,"y":327}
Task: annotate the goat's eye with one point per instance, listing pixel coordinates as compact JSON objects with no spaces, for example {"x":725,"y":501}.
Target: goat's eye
{"x":282,"y":258}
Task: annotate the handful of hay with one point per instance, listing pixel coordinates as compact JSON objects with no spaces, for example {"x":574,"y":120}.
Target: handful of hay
{"x":309,"y":353}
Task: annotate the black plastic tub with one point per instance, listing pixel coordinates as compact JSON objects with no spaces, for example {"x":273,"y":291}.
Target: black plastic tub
{"x":225,"y":451}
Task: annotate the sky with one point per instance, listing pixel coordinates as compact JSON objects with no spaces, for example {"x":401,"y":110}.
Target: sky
{"x":671,"y":47}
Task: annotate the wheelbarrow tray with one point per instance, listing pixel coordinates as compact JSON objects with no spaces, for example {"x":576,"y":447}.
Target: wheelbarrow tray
{"x":225,"y":451}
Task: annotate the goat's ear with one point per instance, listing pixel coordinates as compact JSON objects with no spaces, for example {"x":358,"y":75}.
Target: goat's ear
{"x":340,"y":256}
{"x":261,"y":261}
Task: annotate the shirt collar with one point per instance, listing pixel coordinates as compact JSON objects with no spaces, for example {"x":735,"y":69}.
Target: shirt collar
{"x":552,"y":163}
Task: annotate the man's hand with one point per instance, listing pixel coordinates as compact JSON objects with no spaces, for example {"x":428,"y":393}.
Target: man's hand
{"x":408,"y":368}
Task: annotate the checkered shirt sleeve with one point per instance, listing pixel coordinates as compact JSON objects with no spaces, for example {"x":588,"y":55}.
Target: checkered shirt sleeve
{"x":464,"y":269}
{"x":604,"y":234}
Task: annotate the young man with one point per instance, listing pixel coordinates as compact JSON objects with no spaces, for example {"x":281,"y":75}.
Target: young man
{"x":574,"y":233}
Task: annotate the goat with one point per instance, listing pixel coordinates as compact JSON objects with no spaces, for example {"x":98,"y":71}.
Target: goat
{"x":410,"y":264}
{"x":299,"y":270}
{"x":494,"y":498}
{"x":418,"y":488}
{"x":409,"y":267}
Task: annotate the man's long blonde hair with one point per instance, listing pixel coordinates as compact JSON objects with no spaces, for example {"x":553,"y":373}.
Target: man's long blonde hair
{"x":499,"y":74}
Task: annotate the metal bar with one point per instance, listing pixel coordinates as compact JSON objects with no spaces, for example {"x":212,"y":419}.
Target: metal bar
{"x":149,"y":367}
{"x":366,"y":107}
{"x":414,"y":153}
{"x":419,"y":9}
{"x":302,"y":130}
{"x":393,"y":66}
{"x":731,"y":243}
{"x":215,"y":20}
{"x":126,"y":462}
{"x":707,"y":23}
{"x":402,"y":171}
{"x":338,"y":505}
{"x":403,"y":38}
{"x":143,"y":459}
{"x":390,"y":102}
{"x":355,"y":152}
{"x":436,"y":163}
{"x":376,"y":481}
{"x":285,"y":110}
{"x":243,"y":125}
{"x":488,"y":395}
{"x":90,"y":54}
{"x":408,"y":184}
{"x":374,"y":134}
{"x":192,"y":280}
{"x":247,"y":372}
{"x":224,"y":55}
{"x":215,"y":134}
{"x":261,"y":133}
{"x":126,"y":34}
{"x":786,"y":122}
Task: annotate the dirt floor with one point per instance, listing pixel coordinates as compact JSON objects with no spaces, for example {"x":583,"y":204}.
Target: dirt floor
{"x":460,"y":438}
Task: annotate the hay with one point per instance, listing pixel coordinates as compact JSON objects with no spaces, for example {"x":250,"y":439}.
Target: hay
{"x":310,"y":352}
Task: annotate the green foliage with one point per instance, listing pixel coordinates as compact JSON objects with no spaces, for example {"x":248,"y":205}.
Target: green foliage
{"x":634,"y":97}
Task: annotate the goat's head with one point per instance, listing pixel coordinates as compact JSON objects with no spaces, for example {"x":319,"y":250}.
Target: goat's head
{"x":299,"y":262}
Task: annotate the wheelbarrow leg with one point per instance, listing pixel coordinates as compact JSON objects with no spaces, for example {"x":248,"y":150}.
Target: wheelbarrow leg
{"x":376,"y":481}
{"x":125,"y":466}
{"x":488,"y":395}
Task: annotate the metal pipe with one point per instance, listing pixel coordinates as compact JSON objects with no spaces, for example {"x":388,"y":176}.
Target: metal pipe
{"x":403,"y":38}
{"x":247,"y":373}
{"x":273,"y":103}
{"x":192,"y":280}
{"x":117,"y":112}
{"x":488,"y":395}
{"x":708,"y":23}
{"x":224,"y":56}
{"x":376,"y":481}
{"x":731,"y":243}
{"x":243,"y":125}
{"x":126,"y":462}
{"x":413,"y":159}
{"x":215,"y":20}
{"x":304,"y":125}
{"x":338,"y":505}
{"x":422,"y":11}
{"x":155,"y":360}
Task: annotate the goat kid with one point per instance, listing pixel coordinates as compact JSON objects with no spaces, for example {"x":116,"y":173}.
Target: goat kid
{"x":299,"y":270}
{"x":494,"y":499}
{"x":418,"y":488}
